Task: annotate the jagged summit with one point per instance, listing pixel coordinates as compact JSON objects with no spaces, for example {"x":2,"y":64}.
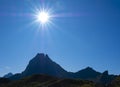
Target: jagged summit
{"x":41,"y":58}
{"x":40,"y":55}
{"x":42,"y":64}
{"x":106,"y":72}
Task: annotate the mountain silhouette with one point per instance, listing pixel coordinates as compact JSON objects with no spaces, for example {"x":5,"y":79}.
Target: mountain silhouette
{"x":8,"y":75}
{"x":87,"y":73}
{"x":42,"y":64}
{"x":105,"y":78}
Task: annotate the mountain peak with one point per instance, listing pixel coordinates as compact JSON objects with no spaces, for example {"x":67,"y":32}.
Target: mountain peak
{"x":42,"y":64}
{"x":87,"y":73}
{"x":40,"y":55}
{"x":8,"y":75}
{"x":105,"y":72}
{"x":89,"y":68}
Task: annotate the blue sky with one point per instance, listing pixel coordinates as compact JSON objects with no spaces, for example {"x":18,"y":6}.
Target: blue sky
{"x":86,"y":33}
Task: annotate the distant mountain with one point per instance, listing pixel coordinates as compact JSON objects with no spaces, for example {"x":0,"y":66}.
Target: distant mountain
{"x":105,"y":78}
{"x":42,"y":64}
{"x":8,"y":75}
{"x":87,"y":73}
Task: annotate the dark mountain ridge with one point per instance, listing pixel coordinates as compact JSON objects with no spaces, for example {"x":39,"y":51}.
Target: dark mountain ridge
{"x":42,"y":64}
{"x":87,"y":73}
{"x":8,"y":75}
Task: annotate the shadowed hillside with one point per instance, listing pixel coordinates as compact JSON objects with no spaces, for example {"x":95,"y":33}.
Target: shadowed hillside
{"x":115,"y":82}
{"x":48,"y":81}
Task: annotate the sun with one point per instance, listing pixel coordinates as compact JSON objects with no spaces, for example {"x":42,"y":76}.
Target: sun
{"x":43,"y":17}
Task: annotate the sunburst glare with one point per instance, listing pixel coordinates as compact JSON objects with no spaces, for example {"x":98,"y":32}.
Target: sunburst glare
{"x":43,"y":17}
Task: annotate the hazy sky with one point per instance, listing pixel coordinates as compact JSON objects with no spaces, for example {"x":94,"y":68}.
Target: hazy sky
{"x":84,"y":33}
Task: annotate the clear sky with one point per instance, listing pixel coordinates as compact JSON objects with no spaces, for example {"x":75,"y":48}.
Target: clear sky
{"x":84,"y":33}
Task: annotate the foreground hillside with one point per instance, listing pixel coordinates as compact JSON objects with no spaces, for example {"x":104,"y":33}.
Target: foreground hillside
{"x":39,"y":80}
{"x":115,"y":82}
{"x":47,"y":81}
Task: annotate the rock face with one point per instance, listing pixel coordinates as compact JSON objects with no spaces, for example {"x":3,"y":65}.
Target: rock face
{"x":42,"y":64}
